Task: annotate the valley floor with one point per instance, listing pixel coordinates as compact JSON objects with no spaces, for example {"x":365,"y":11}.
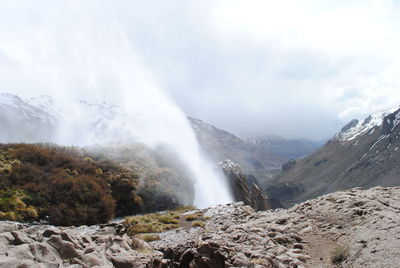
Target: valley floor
{"x":354,"y":228}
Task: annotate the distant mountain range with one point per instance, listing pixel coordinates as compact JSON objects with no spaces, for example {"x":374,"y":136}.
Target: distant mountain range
{"x":37,"y":120}
{"x":363,"y":154}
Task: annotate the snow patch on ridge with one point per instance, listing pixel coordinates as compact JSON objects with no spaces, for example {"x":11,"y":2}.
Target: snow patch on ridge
{"x":396,"y":120}
{"x":25,"y":109}
{"x":368,"y":125}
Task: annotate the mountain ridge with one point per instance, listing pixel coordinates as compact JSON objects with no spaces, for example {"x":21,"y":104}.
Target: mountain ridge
{"x":363,"y":154}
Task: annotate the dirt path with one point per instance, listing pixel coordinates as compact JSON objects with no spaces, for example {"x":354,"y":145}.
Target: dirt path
{"x":319,"y":248}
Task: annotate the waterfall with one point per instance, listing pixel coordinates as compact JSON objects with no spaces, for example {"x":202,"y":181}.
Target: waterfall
{"x":83,"y":52}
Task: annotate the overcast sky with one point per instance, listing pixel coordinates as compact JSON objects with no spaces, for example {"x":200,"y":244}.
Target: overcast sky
{"x":291,"y":68}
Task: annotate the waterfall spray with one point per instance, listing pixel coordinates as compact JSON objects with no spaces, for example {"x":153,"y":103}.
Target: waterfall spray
{"x":83,"y":52}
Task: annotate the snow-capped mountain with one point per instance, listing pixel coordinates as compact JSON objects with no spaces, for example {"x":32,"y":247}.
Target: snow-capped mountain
{"x":22,"y":121}
{"x":44,"y":119}
{"x":363,"y":154}
{"x":356,"y":128}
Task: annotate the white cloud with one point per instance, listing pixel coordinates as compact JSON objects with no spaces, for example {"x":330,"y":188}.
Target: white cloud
{"x":246,"y":66}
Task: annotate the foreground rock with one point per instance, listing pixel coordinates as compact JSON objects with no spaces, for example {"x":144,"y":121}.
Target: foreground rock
{"x":354,"y":228}
{"x":47,"y":246}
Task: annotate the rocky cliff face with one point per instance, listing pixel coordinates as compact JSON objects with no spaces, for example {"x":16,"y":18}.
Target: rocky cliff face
{"x":354,"y":228}
{"x":365,"y":153}
{"x":244,"y":190}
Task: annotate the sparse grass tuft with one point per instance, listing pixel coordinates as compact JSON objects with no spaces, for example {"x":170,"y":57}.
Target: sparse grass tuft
{"x":150,"y":237}
{"x":168,"y":219}
{"x":143,"y":228}
{"x":340,"y":253}
{"x":198,"y":224}
{"x":155,"y":222}
{"x":191,"y":217}
{"x":184,"y":209}
{"x":161,"y":222}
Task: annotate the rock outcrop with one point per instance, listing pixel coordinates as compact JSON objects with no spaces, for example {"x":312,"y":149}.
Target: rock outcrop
{"x":243,"y":189}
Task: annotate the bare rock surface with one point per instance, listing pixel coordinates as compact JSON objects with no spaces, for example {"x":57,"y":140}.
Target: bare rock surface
{"x":353,"y":228}
{"x":23,"y":245}
{"x":364,"y":225}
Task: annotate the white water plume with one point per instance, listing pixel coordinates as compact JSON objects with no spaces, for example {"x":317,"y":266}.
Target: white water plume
{"x":80,"y":51}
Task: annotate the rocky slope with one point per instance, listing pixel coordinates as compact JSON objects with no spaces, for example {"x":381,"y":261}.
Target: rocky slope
{"x":261,"y":157}
{"x":365,"y":153}
{"x":354,"y":228}
{"x":244,"y":189}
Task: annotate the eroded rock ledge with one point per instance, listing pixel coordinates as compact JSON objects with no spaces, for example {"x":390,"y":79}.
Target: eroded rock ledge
{"x":366,"y":223}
